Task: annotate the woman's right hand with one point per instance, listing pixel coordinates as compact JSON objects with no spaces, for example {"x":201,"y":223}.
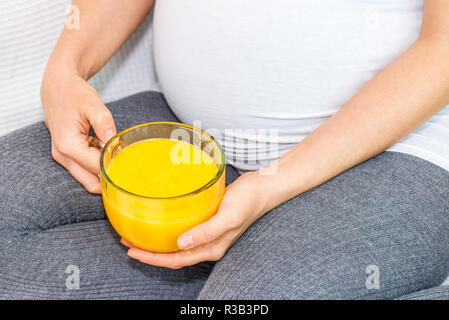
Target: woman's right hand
{"x":71,"y":105}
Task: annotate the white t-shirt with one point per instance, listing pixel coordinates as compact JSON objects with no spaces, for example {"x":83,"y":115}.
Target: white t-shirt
{"x":281,"y":65}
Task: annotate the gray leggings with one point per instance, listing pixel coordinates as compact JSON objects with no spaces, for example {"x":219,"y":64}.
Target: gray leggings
{"x":377,"y":231}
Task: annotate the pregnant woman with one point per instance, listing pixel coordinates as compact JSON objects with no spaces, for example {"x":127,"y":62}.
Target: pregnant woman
{"x":357,"y":206}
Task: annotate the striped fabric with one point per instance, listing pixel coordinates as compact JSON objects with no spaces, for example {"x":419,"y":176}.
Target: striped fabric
{"x":28,"y":32}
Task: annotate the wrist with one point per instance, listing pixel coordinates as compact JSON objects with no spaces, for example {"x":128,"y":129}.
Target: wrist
{"x":65,"y":62}
{"x":263,"y":192}
{"x":279,"y":186}
{"x":57,"y":72}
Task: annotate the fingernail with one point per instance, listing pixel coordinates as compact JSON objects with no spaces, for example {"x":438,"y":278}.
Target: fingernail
{"x":108,"y":135}
{"x":130,"y":254}
{"x":185,"y":242}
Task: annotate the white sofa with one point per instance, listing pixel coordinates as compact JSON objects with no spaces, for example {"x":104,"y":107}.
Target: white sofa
{"x":28,"y":32}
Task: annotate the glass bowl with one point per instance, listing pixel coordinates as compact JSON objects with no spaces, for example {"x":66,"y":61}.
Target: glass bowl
{"x":151,"y":223}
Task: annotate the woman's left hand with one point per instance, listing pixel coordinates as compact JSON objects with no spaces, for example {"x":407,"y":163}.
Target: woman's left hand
{"x":242,"y":204}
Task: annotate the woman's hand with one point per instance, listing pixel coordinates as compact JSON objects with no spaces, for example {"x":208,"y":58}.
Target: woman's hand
{"x":71,"y":106}
{"x":242,"y":204}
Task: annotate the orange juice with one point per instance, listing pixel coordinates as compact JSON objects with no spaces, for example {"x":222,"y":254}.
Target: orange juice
{"x":158,"y":192}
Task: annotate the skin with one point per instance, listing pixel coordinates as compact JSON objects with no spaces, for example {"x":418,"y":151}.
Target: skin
{"x":70,"y":104}
{"x":390,"y":106}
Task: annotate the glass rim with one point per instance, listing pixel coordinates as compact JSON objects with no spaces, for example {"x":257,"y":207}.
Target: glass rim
{"x":211,"y":182}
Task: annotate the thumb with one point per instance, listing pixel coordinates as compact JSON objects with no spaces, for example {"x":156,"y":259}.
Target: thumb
{"x":203,"y":233}
{"x":102,"y":121}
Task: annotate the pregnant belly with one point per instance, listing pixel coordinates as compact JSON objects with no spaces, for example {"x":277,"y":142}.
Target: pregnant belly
{"x":236,"y":67}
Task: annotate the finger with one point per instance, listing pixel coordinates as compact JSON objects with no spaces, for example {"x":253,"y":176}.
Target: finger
{"x":88,"y":180}
{"x":178,"y":259}
{"x":76,"y":148}
{"x":102,"y":121}
{"x":86,"y":156}
{"x":208,"y":231}
{"x":126,"y":243}
{"x":94,"y":142}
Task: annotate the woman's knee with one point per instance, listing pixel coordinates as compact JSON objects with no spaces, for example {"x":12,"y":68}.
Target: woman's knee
{"x":37,"y":193}
{"x":271,"y":263}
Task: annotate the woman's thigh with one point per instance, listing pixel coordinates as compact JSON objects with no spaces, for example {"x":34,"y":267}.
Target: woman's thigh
{"x":378,"y":230}
{"x":435,"y":293}
{"x":51,"y":228}
{"x":37,"y":193}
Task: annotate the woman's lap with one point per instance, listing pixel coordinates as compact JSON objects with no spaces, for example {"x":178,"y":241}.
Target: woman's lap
{"x":435,"y":293}
{"x":49,"y":222}
{"x":388,"y":212}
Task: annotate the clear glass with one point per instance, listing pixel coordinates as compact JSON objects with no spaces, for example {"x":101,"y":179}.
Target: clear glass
{"x":129,"y":212}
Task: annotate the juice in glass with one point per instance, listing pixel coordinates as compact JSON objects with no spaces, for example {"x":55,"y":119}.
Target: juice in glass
{"x":156,"y":186}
